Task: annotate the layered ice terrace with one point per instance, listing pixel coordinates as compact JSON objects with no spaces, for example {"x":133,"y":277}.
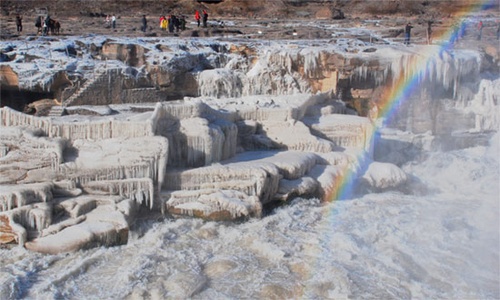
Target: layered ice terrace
{"x":253,"y":124}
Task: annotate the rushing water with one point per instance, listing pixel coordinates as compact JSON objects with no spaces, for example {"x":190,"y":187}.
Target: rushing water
{"x":439,"y":243}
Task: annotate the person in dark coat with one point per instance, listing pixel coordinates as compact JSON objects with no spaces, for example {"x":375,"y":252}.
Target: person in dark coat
{"x":38,"y":24}
{"x":498,"y":31}
{"x":183,"y":22}
{"x":205,"y":18}
{"x":408,"y":33}
{"x":480,"y":27}
{"x":19,"y":23}
{"x":171,"y":23}
{"x":46,"y":25}
{"x":429,"y":32}
{"x":144,"y":23}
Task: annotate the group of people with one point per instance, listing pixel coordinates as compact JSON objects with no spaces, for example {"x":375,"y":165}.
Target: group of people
{"x":173,"y":23}
{"x":44,"y":26}
{"x":111,"y":21}
{"x":459,"y":31}
{"x":204,"y":17}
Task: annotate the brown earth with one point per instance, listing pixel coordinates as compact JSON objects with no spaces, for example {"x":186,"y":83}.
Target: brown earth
{"x":80,"y":17}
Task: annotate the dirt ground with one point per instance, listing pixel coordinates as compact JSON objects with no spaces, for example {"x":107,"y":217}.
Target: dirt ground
{"x":245,"y":19}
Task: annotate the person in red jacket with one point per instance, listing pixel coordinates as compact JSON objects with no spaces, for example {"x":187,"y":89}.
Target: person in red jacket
{"x":197,"y":17}
{"x":480,"y":29}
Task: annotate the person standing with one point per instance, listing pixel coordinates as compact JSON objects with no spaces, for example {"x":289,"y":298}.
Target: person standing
{"x":163,"y":23}
{"x":46,"y":25}
{"x":183,"y":22}
{"x":38,"y":25}
{"x":463,"y":27}
{"x":498,"y":31}
{"x":19,"y":23}
{"x":170,"y":24}
{"x":205,"y":18}
{"x":408,"y":33}
{"x":113,"y":21}
{"x":144,"y":23}
{"x":429,"y":32}
{"x":480,"y":29}
{"x":197,"y":17}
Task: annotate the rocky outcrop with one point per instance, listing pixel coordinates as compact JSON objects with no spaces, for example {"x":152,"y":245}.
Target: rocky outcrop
{"x":179,"y":158}
{"x":273,"y":123}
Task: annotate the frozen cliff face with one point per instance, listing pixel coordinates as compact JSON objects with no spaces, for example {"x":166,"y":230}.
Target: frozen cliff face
{"x":26,"y":150}
{"x":176,"y":157}
{"x":66,"y":195}
{"x":261,"y":132}
{"x":447,"y":80}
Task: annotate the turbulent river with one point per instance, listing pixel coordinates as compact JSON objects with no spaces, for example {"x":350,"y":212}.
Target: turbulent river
{"x":437,"y":242}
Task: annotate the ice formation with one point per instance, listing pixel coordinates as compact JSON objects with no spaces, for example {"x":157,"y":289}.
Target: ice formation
{"x":256,"y":124}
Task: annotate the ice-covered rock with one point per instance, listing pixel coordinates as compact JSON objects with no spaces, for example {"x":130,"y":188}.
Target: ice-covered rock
{"x":382,"y":176}
{"x":344,"y":131}
{"x":256,"y":125}
{"x":102,"y":226}
{"x":213,"y":204}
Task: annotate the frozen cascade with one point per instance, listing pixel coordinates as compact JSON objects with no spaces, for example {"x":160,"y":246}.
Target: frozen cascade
{"x":364,"y":73}
{"x":118,"y":159}
{"x":380,"y":176}
{"x":213,"y":201}
{"x":193,"y":140}
{"x":295,"y":136}
{"x":291,"y":59}
{"x":329,"y":179}
{"x":36,"y":140}
{"x":259,"y":180}
{"x":294,"y":164}
{"x":10,"y":118}
{"x":92,"y":130}
{"x":199,"y":134}
{"x":485,"y":105}
{"x":311,"y":63}
{"x":276,"y":73}
{"x":262,"y":80}
{"x":32,"y":217}
{"x":145,"y":169}
{"x":79,"y":206}
{"x":141,"y":190}
{"x":40,"y":216}
{"x":344,"y":130}
{"x":284,"y":59}
{"x":220,"y":83}
{"x":12,"y":231}
{"x":196,"y":143}
{"x":229,"y":143}
{"x":232,"y":202}
{"x":16,"y":196}
{"x":448,"y":70}
{"x":17,"y":221}
{"x":104,"y":225}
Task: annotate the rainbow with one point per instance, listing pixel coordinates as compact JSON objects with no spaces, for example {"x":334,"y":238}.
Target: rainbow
{"x":404,"y":85}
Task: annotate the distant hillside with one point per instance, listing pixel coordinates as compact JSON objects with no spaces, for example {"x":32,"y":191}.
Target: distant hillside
{"x":242,"y":8}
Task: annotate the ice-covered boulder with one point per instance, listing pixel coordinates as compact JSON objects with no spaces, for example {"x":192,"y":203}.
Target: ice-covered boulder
{"x":253,"y":179}
{"x":383,"y":176}
{"x":213,"y":204}
{"x":105,"y":225}
{"x":295,"y":136}
{"x":344,"y":131}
